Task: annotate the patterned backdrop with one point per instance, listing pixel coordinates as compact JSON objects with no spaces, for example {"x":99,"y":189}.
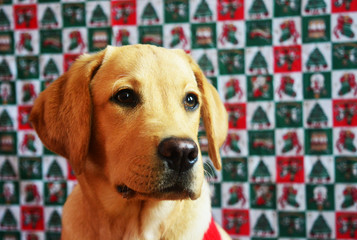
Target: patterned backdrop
{"x":285,"y":69}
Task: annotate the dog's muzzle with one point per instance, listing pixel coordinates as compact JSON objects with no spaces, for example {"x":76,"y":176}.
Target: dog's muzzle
{"x":180,"y":154}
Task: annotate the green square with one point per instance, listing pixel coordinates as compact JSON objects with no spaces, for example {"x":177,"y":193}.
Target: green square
{"x":57,"y":197}
{"x":235,"y":170}
{"x":151,"y":35}
{"x":27,"y":67}
{"x":216,"y":197}
{"x":317,"y":85}
{"x":176,"y":11}
{"x":263,"y":238}
{"x":10,"y":192}
{"x":261,"y":142}
{"x":46,"y":151}
{"x":74,"y":14}
{"x":7,"y":47}
{"x":344,"y":55}
{"x":292,"y":224}
{"x":204,"y":35}
{"x":202,"y":139}
{"x":259,"y":33}
{"x":99,"y":38}
{"x":346,"y":169}
{"x":288,"y":114}
{"x":213,"y":81}
{"x":30,"y":168}
{"x":11,"y":98}
{"x":51,"y":41}
{"x":53,"y":236}
{"x":284,"y":8}
{"x":231,"y":61}
{"x":318,"y":141}
{"x":320,"y":197}
{"x":316,"y":29}
{"x":260,"y":88}
{"x":8,"y":143}
{"x":265,"y":199}
{"x":10,"y":235}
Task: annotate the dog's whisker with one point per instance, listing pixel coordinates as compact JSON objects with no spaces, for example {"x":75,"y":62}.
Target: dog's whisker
{"x":208,"y":170}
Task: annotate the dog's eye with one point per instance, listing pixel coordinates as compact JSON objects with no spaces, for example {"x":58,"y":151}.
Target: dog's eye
{"x":190,"y":102}
{"x":126,"y":98}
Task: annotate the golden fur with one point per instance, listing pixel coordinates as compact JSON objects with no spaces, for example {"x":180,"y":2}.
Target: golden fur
{"x":109,"y":145}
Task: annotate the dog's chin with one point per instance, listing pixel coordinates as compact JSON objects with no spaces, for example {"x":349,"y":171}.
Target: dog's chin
{"x":174,"y":192}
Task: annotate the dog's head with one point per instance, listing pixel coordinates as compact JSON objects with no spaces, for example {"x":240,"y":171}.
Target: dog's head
{"x":131,"y":115}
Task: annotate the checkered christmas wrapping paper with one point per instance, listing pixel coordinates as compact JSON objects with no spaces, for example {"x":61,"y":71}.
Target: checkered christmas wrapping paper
{"x":285,"y":69}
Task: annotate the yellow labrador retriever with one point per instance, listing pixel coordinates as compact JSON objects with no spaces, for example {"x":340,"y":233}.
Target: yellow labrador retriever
{"x":127,"y":120}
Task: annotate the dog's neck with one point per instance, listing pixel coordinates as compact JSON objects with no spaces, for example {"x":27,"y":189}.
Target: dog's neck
{"x":138,"y":219}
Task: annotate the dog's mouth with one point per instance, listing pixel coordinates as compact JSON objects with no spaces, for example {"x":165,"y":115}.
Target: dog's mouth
{"x":174,"y":192}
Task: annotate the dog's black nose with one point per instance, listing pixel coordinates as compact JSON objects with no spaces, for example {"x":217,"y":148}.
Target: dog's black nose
{"x":180,"y":153}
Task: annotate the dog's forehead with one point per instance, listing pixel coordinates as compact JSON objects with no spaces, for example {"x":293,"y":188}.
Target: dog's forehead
{"x":146,"y":61}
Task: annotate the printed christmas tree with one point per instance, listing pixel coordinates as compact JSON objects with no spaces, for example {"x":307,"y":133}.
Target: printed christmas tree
{"x":49,"y":18}
{"x":149,"y":13}
{"x":203,"y":11}
{"x":55,"y":171}
{"x":54,"y":221}
{"x":51,"y":69}
{"x":259,"y":63}
{"x":205,"y":64}
{"x":319,"y":172}
{"x":317,"y":116}
{"x":4,"y":20}
{"x":316,"y":59}
{"x":5,"y":120}
{"x":313,"y":5}
{"x":260,"y":117}
{"x":98,"y":16}
{"x":8,"y":221}
{"x":5,"y":72}
{"x":258,"y":8}
{"x":7,"y":171}
{"x":261,"y":172}
{"x":320,"y":228}
{"x":263,"y":226}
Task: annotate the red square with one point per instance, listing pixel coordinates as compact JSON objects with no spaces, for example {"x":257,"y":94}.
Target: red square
{"x":32,"y":218}
{"x":237,"y":115}
{"x":25,"y":16}
{"x":71,"y":175}
{"x":123,"y":12}
{"x":23,"y":119}
{"x":344,"y":6}
{"x":346,"y":225}
{"x":345,"y":113}
{"x":68,"y":60}
{"x":236,"y":222}
{"x":230,"y":10}
{"x":287,"y":59}
{"x":290,"y":169}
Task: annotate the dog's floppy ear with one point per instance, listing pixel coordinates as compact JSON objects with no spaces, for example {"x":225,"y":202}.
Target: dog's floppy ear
{"x":62,"y":113}
{"x":213,"y":113}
